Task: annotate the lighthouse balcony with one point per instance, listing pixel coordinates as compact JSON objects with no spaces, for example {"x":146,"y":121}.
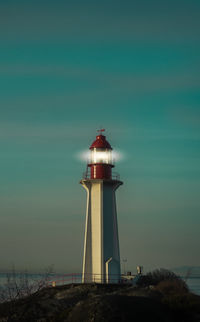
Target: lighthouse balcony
{"x":114,"y":176}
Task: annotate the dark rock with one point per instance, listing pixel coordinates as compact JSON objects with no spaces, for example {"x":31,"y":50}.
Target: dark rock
{"x":92,"y":303}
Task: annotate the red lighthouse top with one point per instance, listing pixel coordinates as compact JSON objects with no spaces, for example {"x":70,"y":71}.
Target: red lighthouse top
{"x":100,"y":143}
{"x":101,"y":158}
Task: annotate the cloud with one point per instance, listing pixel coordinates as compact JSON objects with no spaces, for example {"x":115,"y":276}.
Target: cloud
{"x":69,"y":132}
{"x":104,"y":80}
{"x":26,"y":131}
{"x":186,"y":115}
{"x":116,"y":20}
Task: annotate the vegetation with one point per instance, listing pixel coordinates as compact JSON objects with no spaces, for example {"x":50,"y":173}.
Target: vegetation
{"x":174,"y":294}
{"x":20,"y":285}
{"x":160,"y":275}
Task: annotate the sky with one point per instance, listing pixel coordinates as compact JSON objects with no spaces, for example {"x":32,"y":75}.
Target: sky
{"x":68,"y":68}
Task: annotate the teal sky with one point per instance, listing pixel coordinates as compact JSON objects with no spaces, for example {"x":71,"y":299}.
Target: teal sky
{"x":70,"y":67}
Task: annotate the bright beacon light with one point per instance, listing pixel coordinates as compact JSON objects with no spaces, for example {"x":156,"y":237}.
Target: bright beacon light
{"x":101,"y":156}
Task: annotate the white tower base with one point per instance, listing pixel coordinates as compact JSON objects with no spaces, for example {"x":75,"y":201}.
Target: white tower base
{"x":101,"y":260}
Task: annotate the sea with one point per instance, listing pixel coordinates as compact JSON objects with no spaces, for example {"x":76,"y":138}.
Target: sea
{"x":192,"y":282}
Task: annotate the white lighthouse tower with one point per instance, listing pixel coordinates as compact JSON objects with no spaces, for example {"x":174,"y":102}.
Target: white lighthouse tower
{"x":101,"y":259}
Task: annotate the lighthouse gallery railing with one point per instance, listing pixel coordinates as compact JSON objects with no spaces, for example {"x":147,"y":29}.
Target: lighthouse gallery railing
{"x":115,"y":175}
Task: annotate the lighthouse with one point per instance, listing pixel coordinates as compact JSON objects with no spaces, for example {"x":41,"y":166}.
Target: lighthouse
{"x":101,"y":258}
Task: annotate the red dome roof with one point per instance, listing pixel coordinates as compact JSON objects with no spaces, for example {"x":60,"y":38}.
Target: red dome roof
{"x":100,"y":143}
